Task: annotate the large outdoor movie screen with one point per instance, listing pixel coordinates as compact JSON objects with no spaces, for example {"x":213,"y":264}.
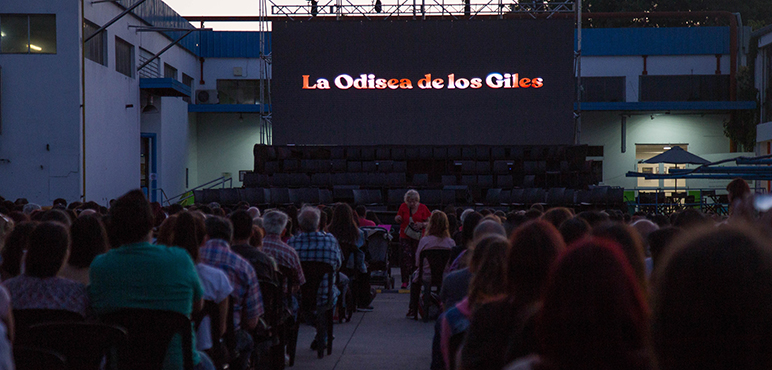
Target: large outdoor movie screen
{"x":435,"y":82}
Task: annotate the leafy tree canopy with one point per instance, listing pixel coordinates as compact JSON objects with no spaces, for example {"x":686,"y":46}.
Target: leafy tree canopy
{"x":756,"y":13}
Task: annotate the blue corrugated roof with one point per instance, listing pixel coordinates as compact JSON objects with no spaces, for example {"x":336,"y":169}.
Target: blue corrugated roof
{"x":232,"y":44}
{"x":655,"y":41}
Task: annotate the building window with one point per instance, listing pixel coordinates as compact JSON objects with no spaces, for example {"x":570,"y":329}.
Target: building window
{"x":603,"y":89}
{"x":187,"y":81}
{"x":28,"y":34}
{"x":684,"y":88}
{"x":124,"y":57}
{"x":96,"y":48}
{"x":170,"y":72}
{"x":241,"y":91}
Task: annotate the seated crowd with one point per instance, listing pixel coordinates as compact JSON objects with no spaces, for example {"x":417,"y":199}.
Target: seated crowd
{"x":528,"y":289}
{"x":92,"y":261}
{"x":597,"y":290}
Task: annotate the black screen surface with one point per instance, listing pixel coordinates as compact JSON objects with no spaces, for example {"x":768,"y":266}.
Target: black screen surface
{"x":534,"y":55}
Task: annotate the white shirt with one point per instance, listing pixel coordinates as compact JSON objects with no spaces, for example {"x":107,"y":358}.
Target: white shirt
{"x":216,"y":288}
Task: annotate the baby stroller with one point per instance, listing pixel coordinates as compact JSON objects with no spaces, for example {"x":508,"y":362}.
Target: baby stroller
{"x":377,"y":256}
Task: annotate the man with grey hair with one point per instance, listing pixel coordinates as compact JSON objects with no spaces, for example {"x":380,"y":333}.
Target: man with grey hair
{"x":314,"y":245}
{"x":274,"y":224}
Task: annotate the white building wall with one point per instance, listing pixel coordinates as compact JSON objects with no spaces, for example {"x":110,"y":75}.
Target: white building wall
{"x":41,"y":115}
{"x":225,"y":144}
{"x":113,"y":130}
{"x":703,"y":133}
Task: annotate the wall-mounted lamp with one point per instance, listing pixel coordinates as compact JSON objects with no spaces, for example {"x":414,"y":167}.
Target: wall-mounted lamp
{"x":150,"y":108}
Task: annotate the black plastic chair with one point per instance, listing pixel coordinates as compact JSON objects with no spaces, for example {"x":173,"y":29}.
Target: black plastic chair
{"x":291,"y":326}
{"x":83,"y":345}
{"x":32,"y":358}
{"x":24,"y":319}
{"x":437,"y":259}
{"x":149,"y":335}
{"x":315,"y":272}
{"x":218,"y":353}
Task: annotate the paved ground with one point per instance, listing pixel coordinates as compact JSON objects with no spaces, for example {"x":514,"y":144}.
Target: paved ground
{"x":380,"y":340}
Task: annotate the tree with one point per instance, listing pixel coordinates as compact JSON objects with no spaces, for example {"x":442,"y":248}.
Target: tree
{"x":756,"y":13}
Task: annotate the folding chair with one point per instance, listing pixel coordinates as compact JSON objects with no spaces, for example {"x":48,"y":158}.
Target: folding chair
{"x":149,"y":335}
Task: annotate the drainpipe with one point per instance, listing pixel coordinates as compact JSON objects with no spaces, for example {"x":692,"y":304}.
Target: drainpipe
{"x":83,"y":101}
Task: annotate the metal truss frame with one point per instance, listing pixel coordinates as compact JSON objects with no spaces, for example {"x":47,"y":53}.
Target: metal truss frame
{"x":423,"y":8}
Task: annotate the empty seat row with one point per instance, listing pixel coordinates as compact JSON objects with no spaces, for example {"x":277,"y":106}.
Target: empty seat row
{"x":399,"y":153}
{"x":601,"y":196}
{"x":264,"y":196}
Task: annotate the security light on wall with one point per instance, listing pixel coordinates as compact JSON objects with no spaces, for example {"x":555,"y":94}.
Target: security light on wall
{"x":150,"y":108}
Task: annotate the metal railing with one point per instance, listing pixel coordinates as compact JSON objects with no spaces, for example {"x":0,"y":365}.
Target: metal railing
{"x":220,"y":181}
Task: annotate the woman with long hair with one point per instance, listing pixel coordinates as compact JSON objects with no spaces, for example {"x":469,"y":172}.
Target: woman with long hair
{"x":594,"y":314}
{"x":713,"y":301}
{"x":344,"y":228}
{"x":437,"y":237}
{"x":502,"y":331}
{"x":487,"y":266}
{"x":189,"y":233}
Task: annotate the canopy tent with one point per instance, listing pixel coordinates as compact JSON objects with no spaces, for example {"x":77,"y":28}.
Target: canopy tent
{"x":677,"y":155}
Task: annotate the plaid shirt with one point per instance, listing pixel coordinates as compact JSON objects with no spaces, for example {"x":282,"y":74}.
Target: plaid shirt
{"x":321,"y":247}
{"x":246,"y":288}
{"x":284,"y":256}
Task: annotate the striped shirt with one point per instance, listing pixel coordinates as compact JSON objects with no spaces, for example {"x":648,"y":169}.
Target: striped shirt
{"x":320,"y":247}
{"x":246,"y":288}
{"x":284,"y":256}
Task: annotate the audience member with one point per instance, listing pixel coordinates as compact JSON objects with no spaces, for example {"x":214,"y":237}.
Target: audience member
{"x":246,"y":296}
{"x":659,"y":242}
{"x":361,"y":212}
{"x":189,"y":234}
{"x":594,"y":315}
{"x":713,"y":301}
{"x":411,"y":214}
{"x":351,"y":240}
{"x":502,"y":331}
{"x":556,"y":216}
{"x":487,"y":226}
{"x":487,"y":267}
{"x":437,"y":237}
{"x":314,"y":245}
{"x":165,"y":235}
{"x":56,"y":215}
{"x":256,"y":240}
{"x":38,"y":286}
{"x":574,"y":229}
{"x":631,"y":245}
{"x":470,"y":221}
{"x":137,"y":274}
{"x":14,"y":248}
{"x":265,"y":266}
{"x":275,"y":223}
{"x":89,"y":239}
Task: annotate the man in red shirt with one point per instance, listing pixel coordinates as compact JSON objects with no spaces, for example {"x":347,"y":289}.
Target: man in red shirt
{"x":361,"y":213}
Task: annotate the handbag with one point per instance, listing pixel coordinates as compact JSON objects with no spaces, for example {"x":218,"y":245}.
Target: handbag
{"x":412,"y":231}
